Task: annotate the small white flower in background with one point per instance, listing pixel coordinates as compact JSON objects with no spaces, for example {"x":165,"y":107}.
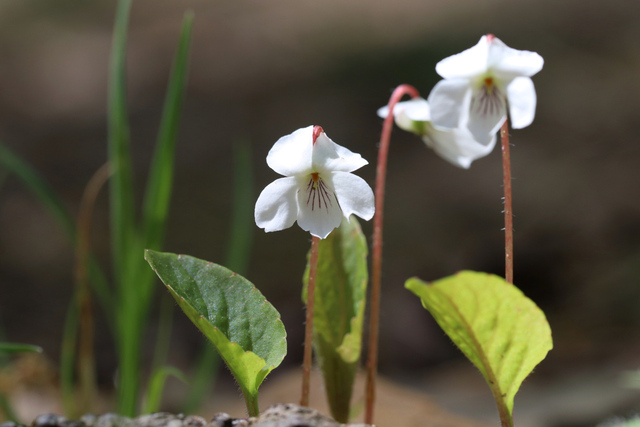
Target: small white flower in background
{"x":454,"y":145}
{"x":318,"y":188}
{"x":479,"y":82}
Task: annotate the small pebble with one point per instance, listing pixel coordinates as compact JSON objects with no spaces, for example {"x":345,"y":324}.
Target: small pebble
{"x":48,"y":420}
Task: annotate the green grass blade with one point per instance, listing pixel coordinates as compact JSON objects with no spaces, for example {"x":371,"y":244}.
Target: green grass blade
{"x":7,"y":409}
{"x":158,"y":193}
{"x":241,"y":236}
{"x":43,"y":192}
{"x":12,"y":348}
{"x":124,"y":243}
{"x":121,"y":182}
{"x":156,"y":387}
{"x":163,"y":339}
{"x":16,"y":166}
{"x":239,"y":250}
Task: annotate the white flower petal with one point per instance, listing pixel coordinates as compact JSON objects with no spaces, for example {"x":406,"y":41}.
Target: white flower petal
{"x":407,"y":113}
{"x":507,"y":63}
{"x":329,"y":156}
{"x":318,"y":208}
{"x":487,"y":112}
{"x":467,"y":64}
{"x":457,"y":146}
{"x":522,"y":102}
{"x":354,"y":195}
{"x":449,"y":102}
{"x":291,"y":154}
{"x":277,"y":208}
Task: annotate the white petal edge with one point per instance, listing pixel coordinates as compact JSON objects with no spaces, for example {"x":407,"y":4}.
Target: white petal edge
{"x":291,"y":155}
{"x":319,"y":221}
{"x":508,"y":63}
{"x":329,"y":156}
{"x":449,"y":103}
{"x":521,"y":95}
{"x":467,"y":64}
{"x":276,"y":207}
{"x":354,"y":195}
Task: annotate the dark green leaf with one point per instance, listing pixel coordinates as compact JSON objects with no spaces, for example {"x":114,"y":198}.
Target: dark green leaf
{"x":245,"y":329}
{"x":341,"y":285}
{"x":502,"y":332}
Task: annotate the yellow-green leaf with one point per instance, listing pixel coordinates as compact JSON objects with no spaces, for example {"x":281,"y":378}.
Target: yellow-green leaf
{"x":502,"y":332}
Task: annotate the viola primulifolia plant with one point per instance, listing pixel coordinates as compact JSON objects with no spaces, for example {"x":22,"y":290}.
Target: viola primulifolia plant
{"x":503,"y":333}
{"x":318,"y":191}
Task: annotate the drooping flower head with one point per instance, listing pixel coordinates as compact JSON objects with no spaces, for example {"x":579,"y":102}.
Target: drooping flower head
{"x":480,"y":82}
{"x":318,"y":188}
{"x":457,"y":146}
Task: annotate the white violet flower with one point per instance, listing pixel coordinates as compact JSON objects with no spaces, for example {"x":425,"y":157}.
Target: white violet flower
{"x":479,"y":82}
{"x":457,"y":146}
{"x":318,"y":188}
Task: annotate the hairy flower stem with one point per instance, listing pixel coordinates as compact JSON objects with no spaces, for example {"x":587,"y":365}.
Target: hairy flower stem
{"x":374,"y":319}
{"x":308,"y":331}
{"x":508,"y":213}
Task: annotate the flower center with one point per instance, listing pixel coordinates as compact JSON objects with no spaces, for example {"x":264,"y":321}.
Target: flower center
{"x":319,"y":194}
{"x":489,"y":99}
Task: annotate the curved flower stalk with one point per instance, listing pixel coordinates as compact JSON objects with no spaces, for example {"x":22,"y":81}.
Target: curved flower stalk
{"x":456,"y":146}
{"x":317,"y":190}
{"x":479,"y":82}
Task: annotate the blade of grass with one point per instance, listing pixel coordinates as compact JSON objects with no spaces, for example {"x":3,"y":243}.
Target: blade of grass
{"x":43,"y":192}
{"x":7,"y":409}
{"x":163,"y":339}
{"x":159,"y":187}
{"x":158,"y":192}
{"x":11,"y":348}
{"x":123,"y":233}
{"x":156,"y":387}
{"x":239,"y":249}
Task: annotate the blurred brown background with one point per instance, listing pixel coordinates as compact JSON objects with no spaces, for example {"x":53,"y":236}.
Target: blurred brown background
{"x":261,"y":69}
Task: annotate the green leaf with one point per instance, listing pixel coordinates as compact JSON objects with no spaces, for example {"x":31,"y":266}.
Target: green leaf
{"x":156,"y":387}
{"x":12,"y":348}
{"x":501,"y":331}
{"x":242,"y":325}
{"x":341,"y":285}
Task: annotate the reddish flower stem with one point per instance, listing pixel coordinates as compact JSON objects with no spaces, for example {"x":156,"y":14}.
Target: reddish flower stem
{"x":374,"y":321}
{"x":308,"y":331}
{"x":508,"y":213}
